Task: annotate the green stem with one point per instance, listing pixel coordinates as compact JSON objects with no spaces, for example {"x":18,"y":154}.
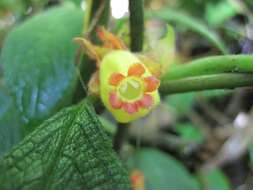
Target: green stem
{"x":137,"y":34}
{"x":211,"y":65}
{"x":120,"y":136}
{"x":136,"y":24}
{"x":205,"y":82}
{"x":217,"y":72}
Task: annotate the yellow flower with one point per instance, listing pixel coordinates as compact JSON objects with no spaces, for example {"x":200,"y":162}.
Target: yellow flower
{"x":127,"y":88}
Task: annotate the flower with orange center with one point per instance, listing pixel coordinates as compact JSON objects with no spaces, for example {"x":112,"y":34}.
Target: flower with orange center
{"x":127,"y":87}
{"x":132,"y":91}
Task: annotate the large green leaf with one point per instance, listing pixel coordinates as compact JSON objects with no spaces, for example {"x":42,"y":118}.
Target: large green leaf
{"x":162,"y":171}
{"x":69,"y":151}
{"x":38,"y":60}
{"x":10,"y":131}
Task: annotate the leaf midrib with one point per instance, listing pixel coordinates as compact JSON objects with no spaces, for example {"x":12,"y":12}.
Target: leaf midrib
{"x":51,"y":168}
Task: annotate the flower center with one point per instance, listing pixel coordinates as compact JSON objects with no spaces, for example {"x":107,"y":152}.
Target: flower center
{"x":130,"y":89}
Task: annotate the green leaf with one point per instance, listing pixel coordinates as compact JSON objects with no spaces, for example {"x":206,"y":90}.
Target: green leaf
{"x":162,"y":171}
{"x":195,"y":7}
{"x":250,"y":3}
{"x":215,"y":179}
{"x":181,"y":103}
{"x":189,"y":132}
{"x":10,"y":5}
{"x":38,"y":60}
{"x":163,"y":48}
{"x":69,"y":151}
{"x":109,"y":127}
{"x":225,"y":9}
{"x":191,"y":23}
{"x":10,"y":130}
{"x":76,"y":2}
{"x":250,"y":149}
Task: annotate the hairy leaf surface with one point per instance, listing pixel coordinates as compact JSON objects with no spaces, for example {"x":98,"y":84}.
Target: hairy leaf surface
{"x":69,"y":151}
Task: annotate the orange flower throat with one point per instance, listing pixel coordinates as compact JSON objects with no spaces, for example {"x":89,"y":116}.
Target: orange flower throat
{"x":131,"y":92}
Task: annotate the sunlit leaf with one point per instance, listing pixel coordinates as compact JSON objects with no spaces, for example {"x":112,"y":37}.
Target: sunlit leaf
{"x":38,"y":61}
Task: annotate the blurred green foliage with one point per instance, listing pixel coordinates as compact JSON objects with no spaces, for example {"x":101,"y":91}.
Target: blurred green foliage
{"x":189,"y":132}
{"x":214,"y":180}
{"x":183,"y":103}
{"x":225,"y":9}
{"x":162,"y":171}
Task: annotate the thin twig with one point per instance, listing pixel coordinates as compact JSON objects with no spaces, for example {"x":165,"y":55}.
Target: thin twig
{"x":82,"y":81}
{"x":96,"y":19}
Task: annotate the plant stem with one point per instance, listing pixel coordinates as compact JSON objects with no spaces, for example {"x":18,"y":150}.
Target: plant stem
{"x":120,"y":136}
{"x":136,"y":24}
{"x":137,"y":34}
{"x":205,"y":82}
{"x":211,"y":65}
